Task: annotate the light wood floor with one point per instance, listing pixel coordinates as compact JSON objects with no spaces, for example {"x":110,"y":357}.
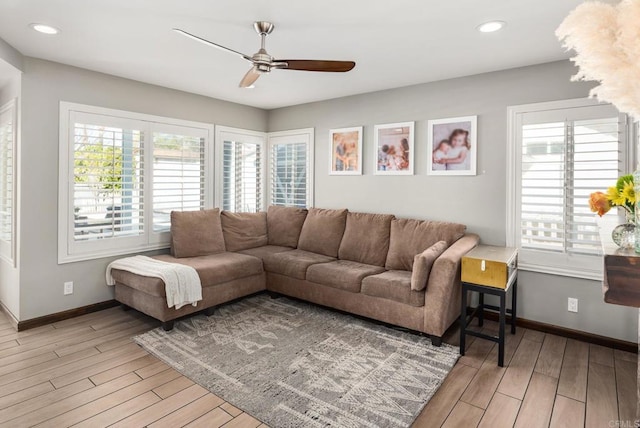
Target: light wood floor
{"x":547,"y":381}
{"x":87,"y":372}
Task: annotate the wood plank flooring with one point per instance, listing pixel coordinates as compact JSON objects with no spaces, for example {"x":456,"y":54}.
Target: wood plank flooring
{"x":86,"y":372}
{"x":547,"y":381}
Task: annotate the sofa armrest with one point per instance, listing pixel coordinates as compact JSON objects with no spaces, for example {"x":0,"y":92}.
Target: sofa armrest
{"x":442,"y":299}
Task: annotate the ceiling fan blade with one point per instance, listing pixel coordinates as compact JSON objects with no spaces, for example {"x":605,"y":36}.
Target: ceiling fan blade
{"x":209,"y":43}
{"x":316,"y":65}
{"x":249,"y":78}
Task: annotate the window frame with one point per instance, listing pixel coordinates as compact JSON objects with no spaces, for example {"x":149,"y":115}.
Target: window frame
{"x":290,"y":136}
{"x":8,"y":250}
{"x":68,"y":249}
{"x":244,"y":136}
{"x":571,"y":265}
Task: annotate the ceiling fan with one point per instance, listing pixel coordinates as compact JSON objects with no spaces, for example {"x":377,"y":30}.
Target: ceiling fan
{"x":263,"y":63}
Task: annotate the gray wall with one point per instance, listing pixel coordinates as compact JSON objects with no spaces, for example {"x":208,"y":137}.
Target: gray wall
{"x":478,"y":202}
{"x":44,"y":85}
{"x":10,"y":273}
{"x":9,"y":54}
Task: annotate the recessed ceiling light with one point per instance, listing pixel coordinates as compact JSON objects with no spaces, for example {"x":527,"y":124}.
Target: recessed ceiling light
{"x":44,"y":29}
{"x":491,"y":26}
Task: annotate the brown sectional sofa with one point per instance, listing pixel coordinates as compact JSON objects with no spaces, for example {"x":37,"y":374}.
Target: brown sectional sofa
{"x":403,"y":272}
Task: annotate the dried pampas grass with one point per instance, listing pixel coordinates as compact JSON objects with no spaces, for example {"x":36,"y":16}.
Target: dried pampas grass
{"x":606,"y":40}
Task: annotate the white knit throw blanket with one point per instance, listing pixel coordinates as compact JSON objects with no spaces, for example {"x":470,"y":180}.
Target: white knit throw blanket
{"x":182,"y":283}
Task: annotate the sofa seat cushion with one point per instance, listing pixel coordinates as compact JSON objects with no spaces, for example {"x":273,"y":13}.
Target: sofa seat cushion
{"x":393,"y":285}
{"x":262,"y":252}
{"x":366,"y":238}
{"x":293,"y":263}
{"x":343,"y":274}
{"x":213,"y":269}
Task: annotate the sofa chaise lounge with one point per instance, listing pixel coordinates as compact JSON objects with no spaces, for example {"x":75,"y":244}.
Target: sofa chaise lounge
{"x":400,"y":271}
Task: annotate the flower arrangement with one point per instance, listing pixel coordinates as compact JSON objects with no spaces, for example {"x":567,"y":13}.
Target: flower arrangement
{"x":621,"y":195}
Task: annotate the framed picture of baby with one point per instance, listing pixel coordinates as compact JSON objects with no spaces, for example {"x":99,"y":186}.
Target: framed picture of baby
{"x":453,"y":146}
{"x":394,"y":149}
{"x":346,"y":151}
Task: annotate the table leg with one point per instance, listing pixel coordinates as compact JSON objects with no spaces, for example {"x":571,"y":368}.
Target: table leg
{"x":514,"y":303}
{"x":503,"y":310}
{"x":463,"y":319}
{"x":638,"y":382}
{"x":480,"y":309}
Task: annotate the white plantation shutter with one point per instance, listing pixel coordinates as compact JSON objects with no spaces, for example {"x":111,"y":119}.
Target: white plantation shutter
{"x":178,"y":173}
{"x":7,"y":179}
{"x":242,"y":176}
{"x":563,"y":155}
{"x":107,"y":187}
{"x":543,"y":186}
{"x":595,"y":161}
{"x":121,"y":175}
{"x":290,"y":169}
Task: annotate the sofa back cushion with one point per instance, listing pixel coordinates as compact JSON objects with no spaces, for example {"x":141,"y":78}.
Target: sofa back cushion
{"x":366,"y":238}
{"x":284,"y":225}
{"x":411,"y":237}
{"x":243,"y":231}
{"x":196,"y":233}
{"x":322,"y":231}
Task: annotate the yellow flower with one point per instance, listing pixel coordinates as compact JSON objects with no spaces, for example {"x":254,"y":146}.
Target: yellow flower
{"x":629,"y":193}
{"x":615,"y":197}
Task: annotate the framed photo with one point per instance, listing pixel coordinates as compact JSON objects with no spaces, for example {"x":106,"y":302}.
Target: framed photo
{"x":394,"y":149}
{"x":453,"y":146}
{"x":346,"y":151}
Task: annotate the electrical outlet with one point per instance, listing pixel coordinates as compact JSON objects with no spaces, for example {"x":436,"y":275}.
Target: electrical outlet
{"x":68,"y":288}
{"x":572,"y":305}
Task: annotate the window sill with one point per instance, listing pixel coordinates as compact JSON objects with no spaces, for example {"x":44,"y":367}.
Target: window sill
{"x":72,"y":258}
{"x":592,"y":275}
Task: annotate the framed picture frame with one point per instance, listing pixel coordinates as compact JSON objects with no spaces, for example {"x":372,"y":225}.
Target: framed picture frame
{"x":453,"y":146}
{"x":345,"y":154}
{"x":394,"y":149}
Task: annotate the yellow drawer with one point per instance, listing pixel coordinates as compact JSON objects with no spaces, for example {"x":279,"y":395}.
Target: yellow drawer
{"x":490,"y":266}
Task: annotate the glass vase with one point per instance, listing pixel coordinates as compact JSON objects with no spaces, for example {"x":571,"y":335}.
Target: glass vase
{"x":624,"y":235}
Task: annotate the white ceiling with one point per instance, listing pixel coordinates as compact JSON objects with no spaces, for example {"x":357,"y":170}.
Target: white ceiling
{"x":394,"y":43}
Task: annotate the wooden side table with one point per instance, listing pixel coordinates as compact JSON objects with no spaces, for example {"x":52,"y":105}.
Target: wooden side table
{"x":621,"y":284}
{"x":489,"y":270}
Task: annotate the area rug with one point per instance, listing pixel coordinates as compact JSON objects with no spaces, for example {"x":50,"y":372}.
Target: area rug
{"x":292,"y":364}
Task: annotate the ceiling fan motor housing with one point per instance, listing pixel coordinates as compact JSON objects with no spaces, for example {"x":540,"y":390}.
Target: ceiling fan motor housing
{"x":263,"y":27}
{"x":263,"y":62}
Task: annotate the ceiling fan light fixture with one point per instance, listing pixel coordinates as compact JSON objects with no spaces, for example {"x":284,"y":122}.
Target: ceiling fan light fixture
{"x":263,"y":63}
{"x":491,"y":26}
{"x":44,"y":29}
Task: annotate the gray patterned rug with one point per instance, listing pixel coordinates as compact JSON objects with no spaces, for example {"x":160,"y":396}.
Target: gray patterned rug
{"x":292,"y":364}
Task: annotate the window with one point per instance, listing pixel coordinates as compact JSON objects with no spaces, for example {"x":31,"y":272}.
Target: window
{"x":242,"y":169}
{"x":178,"y":172}
{"x":291,"y":168}
{"x":7,"y":180}
{"x":560,"y":153}
{"x":121,"y":176}
{"x":107,"y":179}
